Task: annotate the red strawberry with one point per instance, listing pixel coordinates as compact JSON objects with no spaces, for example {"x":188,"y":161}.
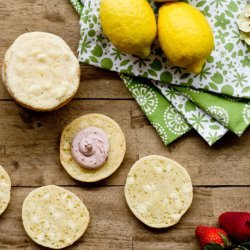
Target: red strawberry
{"x":236,"y":224}
{"x":211,"y":237}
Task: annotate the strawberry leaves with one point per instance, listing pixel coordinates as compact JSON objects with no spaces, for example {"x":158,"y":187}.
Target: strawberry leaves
{"x":214,"y":246}
{"x":225,"y":240}
{"x":244,"y":246}
{"x":228,"y":246}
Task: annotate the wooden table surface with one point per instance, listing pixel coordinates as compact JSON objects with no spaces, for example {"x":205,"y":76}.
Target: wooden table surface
{"x":29,"y":151}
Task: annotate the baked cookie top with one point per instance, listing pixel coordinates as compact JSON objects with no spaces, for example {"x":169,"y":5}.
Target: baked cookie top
{"x":40,"y":71}
{"x":5,"y":187}
{"x":54,"y":217}
{"x":117,"y":147}
{"x":158,"y":191}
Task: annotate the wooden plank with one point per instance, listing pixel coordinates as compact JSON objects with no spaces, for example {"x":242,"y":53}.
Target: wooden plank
{"x":30,"y":140}
{"x":97,"y":83}
{"x":113,"y":226}
{"x":56,"y":16}
{"x":29,"y":144}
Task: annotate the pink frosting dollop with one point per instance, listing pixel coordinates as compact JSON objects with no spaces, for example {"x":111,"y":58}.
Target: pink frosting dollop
{"x":90,"y":147}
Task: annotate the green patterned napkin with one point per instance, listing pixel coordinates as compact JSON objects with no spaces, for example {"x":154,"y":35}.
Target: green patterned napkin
{"x":78,"y":5}
{"x":210,"y":129}
{"x":232,"y":113}
{"x":169,"y":124}
{"x":226,"y":71}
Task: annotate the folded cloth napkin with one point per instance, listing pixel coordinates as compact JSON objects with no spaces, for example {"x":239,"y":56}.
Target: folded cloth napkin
{"x":234,"y":114}
{"x":209,"y":128}
{"x":78,"y":5}
{"x":167,"y":121}
{"x":97,"y":50}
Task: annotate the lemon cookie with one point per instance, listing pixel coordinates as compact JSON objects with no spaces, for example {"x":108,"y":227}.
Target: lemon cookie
{"x":40,"y":71}
{"x":92,"y":147}
{"x":158,"y":191}
{"x":5,"y":186}
{"x":54,"y":217}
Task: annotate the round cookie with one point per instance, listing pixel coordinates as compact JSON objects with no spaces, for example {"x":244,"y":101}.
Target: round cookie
{"x":158,"y":191}
{"x":40,"y":71}
{"x":117,"y":147}
{"x":5,"y":186}
{"x":54,"y":217}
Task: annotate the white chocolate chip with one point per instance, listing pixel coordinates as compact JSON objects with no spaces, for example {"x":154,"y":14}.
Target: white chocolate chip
{"x":52,"y":235}
{"x":46,"y":225}
{"x":149,"y":187}
{"x":72,"y":225}
{"x":34,"y":89}
{"x":142,"y":208}
{"x":175,"y":217}
{"x":4,"y":184}
{"x":158,"y":169}
{"x":187,"y":188}
{"x":70,"y":205}
{"x":173,"y":195}
{"x":57,"y":215}
{"x":41,"y":57}
{"x":46,"y":196}
{"x":40,"y":237}
{"x":60,"y":92}
{"x":35,"y":219}
{"x":169,"y":167}
{"x":131,"y":180}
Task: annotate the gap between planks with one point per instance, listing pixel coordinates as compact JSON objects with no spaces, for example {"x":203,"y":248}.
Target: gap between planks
{"x":93,"y":185}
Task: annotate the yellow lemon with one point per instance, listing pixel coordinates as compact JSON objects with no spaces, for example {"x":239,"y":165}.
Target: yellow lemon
{"x":130,"y":25}
{"x":185,"y":35}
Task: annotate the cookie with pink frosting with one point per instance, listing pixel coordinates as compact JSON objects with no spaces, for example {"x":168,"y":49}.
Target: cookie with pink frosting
{"x":92,"y":147}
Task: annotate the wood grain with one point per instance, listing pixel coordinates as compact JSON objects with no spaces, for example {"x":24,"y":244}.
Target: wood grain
{"x":117,"y":228}
{"x":29,"y":143}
